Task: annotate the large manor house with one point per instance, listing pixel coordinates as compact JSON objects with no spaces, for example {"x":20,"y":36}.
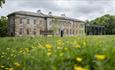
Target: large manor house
{"x":24,"y":23}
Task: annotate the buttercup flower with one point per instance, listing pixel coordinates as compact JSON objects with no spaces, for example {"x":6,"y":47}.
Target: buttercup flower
{"x":48,"y":46}
{"x":10,"y":69}
{"x":49,"y":53}
{"x":65,"y":49}
{"x":79,"y":68}
{"x":61,"y":54}
{"x":77,"y":46}
{"x":1,"y":66}
{"x":17,"y":64}
{"x":100,"y":57}
{"x":78,"y":59}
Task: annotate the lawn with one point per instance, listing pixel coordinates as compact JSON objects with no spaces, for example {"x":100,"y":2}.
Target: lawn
{"x":55,"y":53}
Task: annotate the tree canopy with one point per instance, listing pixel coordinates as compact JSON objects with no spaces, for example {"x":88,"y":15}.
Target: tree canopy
{"x":1,"y":2}
{"x":108,"y":21}
{"x":3,"y":26}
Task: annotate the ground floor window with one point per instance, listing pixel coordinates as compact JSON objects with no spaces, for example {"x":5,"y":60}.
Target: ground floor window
{"x":34,"y":32}
{"x":28,"y":32}
{"x":20,"y":31}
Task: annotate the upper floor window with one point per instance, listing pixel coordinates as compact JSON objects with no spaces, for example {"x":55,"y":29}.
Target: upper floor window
{"x":41,"y":22}
{"x":34,"y":32}
{"x":73,"y":25}
{"x":76,"y":25}
{"x":76,"y":32}
{"x":50,"y":23}
{"x":59,"y":31}
{"x":34,"y":21}
{"x":70,"y":31}
{"x":73,"y":32}
{"x":28,"y":32}
{"x":70,"y":24}
{"x":21,"y":20}
{"x":66,"y":31}
{"x":20,"y":31}
{"x":28,"y":21}
{"x":81,"y":25}
{"x":81,"y":31}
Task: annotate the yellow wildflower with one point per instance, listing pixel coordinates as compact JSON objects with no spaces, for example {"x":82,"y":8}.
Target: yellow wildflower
{"x":79,"y":68}
{"x":49,"y":53}
{"x":74,"y":42}
{"x":49,"y":50}
{"x":48,"y":46}
{"x":100,"y":57}
{"x":20,"y":51}
{"x":7,"y":48}
{"x":17,"y":64}
{"x":1,"y":66}
{"x":61,"y":54}
{"x":59,"y":42}
{"x":65,"y":49}
{"x":59,"y":47}
{"x":3,"y":53}
{"x":79,"y":59}
{"x":12,"y":54}
{"x":2,"y":56}
{"x":12,"y":50}
{"x":27,"y":49}
{"x":77,"y":46}
{"x":10,"y":69}
{"x":84,"y":43}
{"x":6,"y":68}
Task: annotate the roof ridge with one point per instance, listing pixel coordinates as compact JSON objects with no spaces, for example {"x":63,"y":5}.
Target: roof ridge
{"x":44,"y":15}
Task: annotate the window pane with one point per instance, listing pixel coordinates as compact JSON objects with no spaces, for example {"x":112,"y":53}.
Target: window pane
{"x":34,"y":21}
{"x":20,"y":31}
{"x":34,"y":32}
{"x":28,"y":21}
{"x":76,"y":32}
{"x":20,"y":20}
{"x":28,"y":31}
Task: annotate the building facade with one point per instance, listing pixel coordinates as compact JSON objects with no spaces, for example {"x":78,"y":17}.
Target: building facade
{"x":23,"y":23}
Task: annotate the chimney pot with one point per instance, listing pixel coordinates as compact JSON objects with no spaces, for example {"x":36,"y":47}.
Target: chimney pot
{"x":50,"y":13}
{"x":38,"y":11}
{"x":63,"y":15}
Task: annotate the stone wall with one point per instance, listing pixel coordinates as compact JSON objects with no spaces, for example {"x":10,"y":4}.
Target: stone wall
{"x":28,"y":25}
{"x":23,"y":25}
{"x":70,"y":28}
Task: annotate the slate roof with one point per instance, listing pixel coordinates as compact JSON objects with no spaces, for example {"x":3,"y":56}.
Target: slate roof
{"x":43,"y":15}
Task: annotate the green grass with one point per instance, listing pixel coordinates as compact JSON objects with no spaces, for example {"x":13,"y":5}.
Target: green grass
{"x":55,"y":53}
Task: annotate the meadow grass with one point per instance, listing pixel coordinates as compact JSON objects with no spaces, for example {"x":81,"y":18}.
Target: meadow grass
{"x":56,"y":53}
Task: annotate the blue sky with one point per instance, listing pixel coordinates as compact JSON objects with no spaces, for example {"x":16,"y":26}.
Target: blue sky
{"x":80,"y":9}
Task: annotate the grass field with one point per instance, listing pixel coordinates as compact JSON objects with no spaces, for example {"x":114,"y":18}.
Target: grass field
{"x":55,"y":53}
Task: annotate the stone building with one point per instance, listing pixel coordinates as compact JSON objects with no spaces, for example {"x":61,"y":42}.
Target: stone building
{"x":24,"y":23}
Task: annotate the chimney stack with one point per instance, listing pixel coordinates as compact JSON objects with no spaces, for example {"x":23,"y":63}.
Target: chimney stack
{"x":50,"y":13}
{"x":39,"y":11}
{"x":63,"y":15}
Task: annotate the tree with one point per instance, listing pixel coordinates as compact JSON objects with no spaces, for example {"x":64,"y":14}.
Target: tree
{"x":108,"y":21}
{"x":3,"y":26}
{"x":1,"y":2}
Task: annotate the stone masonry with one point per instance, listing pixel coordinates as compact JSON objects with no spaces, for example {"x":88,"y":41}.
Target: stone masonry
{"x":24,"y":23}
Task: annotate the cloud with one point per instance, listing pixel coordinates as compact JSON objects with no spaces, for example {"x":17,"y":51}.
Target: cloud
{"x":82,"y":9}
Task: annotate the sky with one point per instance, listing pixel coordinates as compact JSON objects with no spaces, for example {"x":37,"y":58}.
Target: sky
{"x":79,"y":9}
